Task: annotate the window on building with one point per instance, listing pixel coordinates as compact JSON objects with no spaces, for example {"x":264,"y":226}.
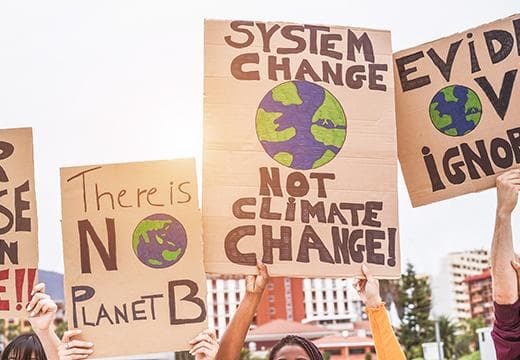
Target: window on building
{"x":331,"y":352}
{"x":356,"y":351}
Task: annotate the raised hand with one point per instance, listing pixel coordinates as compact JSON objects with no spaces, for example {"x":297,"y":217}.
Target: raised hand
{"x":256,"y":284}
{"x":205,"y":345}
{"x":368,"y":288}
{"x":42,"y":309}
{"x":508,"y":185}
{"x":71,"y":349}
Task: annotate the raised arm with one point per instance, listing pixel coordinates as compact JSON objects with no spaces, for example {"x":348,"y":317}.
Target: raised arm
{"x":505,"y":284}
{"x":42,"y":312}
{"x":386,"y":344}
{"x":235,"y":335}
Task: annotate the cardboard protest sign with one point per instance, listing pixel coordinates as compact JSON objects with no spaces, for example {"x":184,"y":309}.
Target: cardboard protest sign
{"x":299,"y":150}
{"x":132,"y":243}
{"x":18,"y":222}
{"x":458,"y":111}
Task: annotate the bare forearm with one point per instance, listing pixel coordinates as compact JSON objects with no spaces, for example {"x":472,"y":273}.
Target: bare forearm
{"x":505,"y":283}
{"x":235,"y":335}
{"x":50,"y":342}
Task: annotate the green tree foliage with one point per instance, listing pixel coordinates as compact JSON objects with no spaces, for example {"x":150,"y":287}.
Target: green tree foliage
{"x":447,"y":332}
{"x":414,"y":298}
{"x":245,"y":354}
{"x":467,"y":341}
{"x":13,"y":330}
{"x":61,"y":327}
{"x":183,"y":355}
{"x":472,"y":356}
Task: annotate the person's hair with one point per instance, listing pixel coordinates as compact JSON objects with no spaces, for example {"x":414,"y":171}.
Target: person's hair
{"x":23,"y":347}
{"x":311,"y":349}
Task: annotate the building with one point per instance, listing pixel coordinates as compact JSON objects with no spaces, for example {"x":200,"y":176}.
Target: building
{"x":282,"y":299}
{"x":223,"y":297}
{"x":481,"y":296}
{"x":264,"y":337}
{"x":450,"y":292}
{"x":331,"y":302}
{"x":339,"y":347}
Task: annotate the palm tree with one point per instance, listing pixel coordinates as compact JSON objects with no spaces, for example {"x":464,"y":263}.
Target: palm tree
{"x":467,"y":341}
{"x":447,"y":331}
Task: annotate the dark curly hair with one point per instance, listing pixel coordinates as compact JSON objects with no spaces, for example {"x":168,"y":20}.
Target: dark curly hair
{"x":308,"y":346}
{"x":23,"y":347}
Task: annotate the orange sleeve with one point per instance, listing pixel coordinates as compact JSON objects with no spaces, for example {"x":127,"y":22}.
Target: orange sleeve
{"x":387,"y":346}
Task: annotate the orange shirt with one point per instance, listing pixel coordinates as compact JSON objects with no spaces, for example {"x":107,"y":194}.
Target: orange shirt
{"x":387,"y":346}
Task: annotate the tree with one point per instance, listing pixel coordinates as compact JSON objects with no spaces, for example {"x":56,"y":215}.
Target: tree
{"x":183,"y":355}
{"x":414,"y":298}
{"x":467,"y":341}
{"x":447,"y":333}
{"x":245,"y":354}
{"x":61,"y":327}
{"x":13,"y":330}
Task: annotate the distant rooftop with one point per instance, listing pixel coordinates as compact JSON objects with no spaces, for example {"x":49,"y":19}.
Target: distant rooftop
{"x":277,"y":329}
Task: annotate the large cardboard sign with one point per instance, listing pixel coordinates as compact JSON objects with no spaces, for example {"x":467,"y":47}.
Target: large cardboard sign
{"x":132,"y":243}
{"x":299,"y":150}
{"x":458,"y":111}
{"x":18,"y":222}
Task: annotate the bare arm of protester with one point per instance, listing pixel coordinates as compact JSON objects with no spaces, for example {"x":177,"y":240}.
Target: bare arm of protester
{"x":505,"y":283}
{"x":73,"y":349}
{"x":235,"y":335}
{"x":205,"y":345}
{"x":386,"y":344}
{"x":42,"y":312}
{"x":516,"y":266}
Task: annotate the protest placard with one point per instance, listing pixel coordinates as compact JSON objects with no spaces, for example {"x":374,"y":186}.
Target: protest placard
{"x":458,"y":111}
{"x":299,"y":150}
{"x":132,"y":243}
{"x":18,"y":222}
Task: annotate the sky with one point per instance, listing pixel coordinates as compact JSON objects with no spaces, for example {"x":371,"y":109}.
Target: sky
{"x":118,"y":81}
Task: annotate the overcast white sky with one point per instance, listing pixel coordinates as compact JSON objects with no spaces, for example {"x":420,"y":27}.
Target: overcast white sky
{"x":113,"y":81}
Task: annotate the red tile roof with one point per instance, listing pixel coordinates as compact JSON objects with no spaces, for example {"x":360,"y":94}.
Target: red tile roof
{"x":277,"y":329}
{"x":484,"y":275}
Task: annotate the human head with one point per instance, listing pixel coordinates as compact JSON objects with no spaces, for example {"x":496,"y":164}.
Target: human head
{"x":296,"y":341}
{"x":24,"y":347}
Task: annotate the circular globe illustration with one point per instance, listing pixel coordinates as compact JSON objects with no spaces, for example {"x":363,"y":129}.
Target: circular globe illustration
{"x":301,"y":125}
{"x":455,"y":110}
{"x":159,"y":241}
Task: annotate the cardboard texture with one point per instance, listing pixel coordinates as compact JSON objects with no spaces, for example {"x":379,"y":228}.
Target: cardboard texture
{"x":458,"y":111}
{"x":18,"y":222}
{"x":132,"y":243}
{"x":299,"y":150}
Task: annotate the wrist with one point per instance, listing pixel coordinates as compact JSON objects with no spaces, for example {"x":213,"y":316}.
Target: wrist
{"x":44,"y":331}
{"x":253,"y":296}
{"x":503,"y":213}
